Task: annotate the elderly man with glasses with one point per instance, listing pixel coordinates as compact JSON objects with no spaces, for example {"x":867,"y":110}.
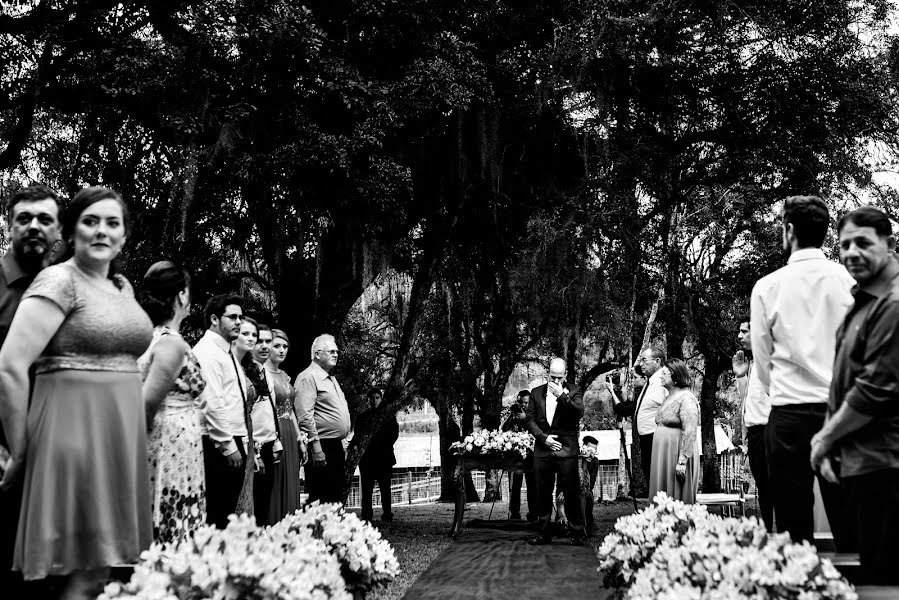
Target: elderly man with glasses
{"x":651,"y":398}
{"x":225,"y":423}
{"x":325,"y":417}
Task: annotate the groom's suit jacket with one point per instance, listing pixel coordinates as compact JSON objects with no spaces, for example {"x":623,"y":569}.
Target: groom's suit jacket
{"x":565,"y":425}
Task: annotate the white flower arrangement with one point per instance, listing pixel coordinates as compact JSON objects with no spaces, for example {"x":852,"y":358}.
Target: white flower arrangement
{"x":671,"y":550}
{"x":485,"y":442}
{"x":240,"y":561}
{"x":367,"y":560}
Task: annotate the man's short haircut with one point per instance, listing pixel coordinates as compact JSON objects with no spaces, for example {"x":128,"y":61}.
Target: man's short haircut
{"x":320,"y":342}
{"x":657,"y":352}
{"x":867,"y":216}
{"x":216,"y":306}
{"x":34,"y":193}
{"x":589,"y":439}
{"x":263,"y":327}
{"x":524,"y":393}
{"x":810,"y":218}
{"x":744,"y":318}
{"x":372,"y":391}
{"x":680,"y":373}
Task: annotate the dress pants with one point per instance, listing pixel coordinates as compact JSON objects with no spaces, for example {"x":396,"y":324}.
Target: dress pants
{"x":223,"y":483}
{"x":545,"y":470}
{"x":758,"y":464}
{"x":788,"y":437}
{"x":515,"y":480}
{"x":370,"y":474}
{"x":874,"y":505}
{"x":325,"y":484}
{"x":11,"y":582}
{"x":263,"y":481}
{"x":646,"y":454}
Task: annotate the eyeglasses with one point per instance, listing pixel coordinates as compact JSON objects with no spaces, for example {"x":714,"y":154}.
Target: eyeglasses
{"x":331,"y":352}
{"x":233,"y":317}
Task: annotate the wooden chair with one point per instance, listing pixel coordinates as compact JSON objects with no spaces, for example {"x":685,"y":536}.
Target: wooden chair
{"x":732,"y":498}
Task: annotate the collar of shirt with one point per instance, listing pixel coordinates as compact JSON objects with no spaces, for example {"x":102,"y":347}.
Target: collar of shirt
{"x":879,"y":286}
{"x":806,"y":254}
{"x":319,"y":373}
{"x":11,"y":268}
{"x":218,"y":341}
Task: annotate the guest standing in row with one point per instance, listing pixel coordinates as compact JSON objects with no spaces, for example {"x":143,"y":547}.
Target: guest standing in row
{"x":648,"y":402}
{"x":376,"y":464}
{"x":32,"y":218}
{"x":675,"y":447}
{"x":285,"y":497}
{"x":325,"y":416}
{"x":223,"y":398}
{"x":862,"y":427}
{"x":255,"y":340}
{"x":86,"y":501}
{"x":517,"y":422}
{"x":796,"y":311}
{"x":173,"y":383}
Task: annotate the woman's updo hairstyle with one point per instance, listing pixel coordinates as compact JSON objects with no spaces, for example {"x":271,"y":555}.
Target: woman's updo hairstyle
{"x":162,"y":283}
{"x":69,"y":220}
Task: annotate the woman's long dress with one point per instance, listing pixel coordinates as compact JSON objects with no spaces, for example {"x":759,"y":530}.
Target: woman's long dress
{"x":175,"y":449}
{"x":86,"y":501}
{"x":675,"y":436}
{"x":286,"y":490}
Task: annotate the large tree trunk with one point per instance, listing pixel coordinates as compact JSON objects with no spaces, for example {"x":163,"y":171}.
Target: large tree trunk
{"x":715,"y":366}
{"x":449,"y":433}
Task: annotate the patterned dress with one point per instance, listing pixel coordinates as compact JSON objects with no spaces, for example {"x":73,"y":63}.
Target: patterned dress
{"x":286,"y":490}
{"x":175,"y":450}
{"x":675,"y":438}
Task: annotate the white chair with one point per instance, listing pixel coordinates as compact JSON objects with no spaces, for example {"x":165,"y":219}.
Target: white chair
{"x":732,"y":498}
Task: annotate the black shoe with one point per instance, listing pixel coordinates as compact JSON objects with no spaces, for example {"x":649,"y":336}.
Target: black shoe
{"x":540,"y":540}
{"x":515,"y":517}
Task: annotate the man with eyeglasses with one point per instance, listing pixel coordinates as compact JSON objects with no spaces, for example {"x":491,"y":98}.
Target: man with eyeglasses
{"x":325,"y":417}
{"x":651,"y":397}
{"x":225,"y":425}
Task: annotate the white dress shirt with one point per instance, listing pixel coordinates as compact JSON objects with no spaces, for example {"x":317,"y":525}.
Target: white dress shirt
{"x":795,"y":314}
{"x":224,"y":392}
{"x":651,"y":398}
{"x":552,"y":401}
{"x":263,"y":419}
{"x":756,"y":404}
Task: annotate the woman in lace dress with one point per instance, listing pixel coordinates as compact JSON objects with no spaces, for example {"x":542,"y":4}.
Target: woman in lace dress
{"x":173,"y":383}
{"x":286,"y":491}
{"x":675,"y":449}
{"x":86,"y":500}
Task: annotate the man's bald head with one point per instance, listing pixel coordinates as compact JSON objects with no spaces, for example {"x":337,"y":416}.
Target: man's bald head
{"x":557,"y":368}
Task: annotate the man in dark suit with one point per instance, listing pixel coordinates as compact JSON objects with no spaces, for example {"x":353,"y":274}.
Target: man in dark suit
{"x":553,"y":418}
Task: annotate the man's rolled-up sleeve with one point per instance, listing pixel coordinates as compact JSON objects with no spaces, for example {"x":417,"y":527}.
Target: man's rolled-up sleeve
{"x":213,"y":400}
{"x":876,"y":389}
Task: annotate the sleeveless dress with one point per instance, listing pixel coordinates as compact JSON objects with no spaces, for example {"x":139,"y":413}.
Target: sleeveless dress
{"x":675,"y":434}
{"x":86,"y":500}
{"x":286,"y":490}
{"x":175,"y":449}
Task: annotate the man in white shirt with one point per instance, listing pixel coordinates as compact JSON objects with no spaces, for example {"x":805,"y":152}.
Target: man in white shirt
{"x":225,"y":426}
{"x":795,"y":314}
{"x":649,"y":401}
{"x":756,"y":408}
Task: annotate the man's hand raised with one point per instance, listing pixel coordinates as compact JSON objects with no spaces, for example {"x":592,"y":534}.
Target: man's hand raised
{"x":740,"y":364}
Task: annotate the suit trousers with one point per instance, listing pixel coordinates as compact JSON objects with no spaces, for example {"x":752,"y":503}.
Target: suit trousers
{"x":874,"y":510}
{"x":11,"y":582}
{"x":369,"y":475}
{"x":515,"y":480}
{"x":646,"y":454}
{"x":788,"y":437}
{"x":263,"y":482}
{"x":325,"y":484}
{"x":546,"y":468}
{"x":223,"y":483}
{"x":758,"y":464}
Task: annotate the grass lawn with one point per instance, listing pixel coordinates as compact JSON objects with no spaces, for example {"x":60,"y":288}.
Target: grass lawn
{"x":419,"y":533}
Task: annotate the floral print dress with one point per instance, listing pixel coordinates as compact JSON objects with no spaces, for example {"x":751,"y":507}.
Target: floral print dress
{"x":175,"y":449}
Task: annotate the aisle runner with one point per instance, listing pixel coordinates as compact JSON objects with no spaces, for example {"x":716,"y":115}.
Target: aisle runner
{"x":495,"y":564}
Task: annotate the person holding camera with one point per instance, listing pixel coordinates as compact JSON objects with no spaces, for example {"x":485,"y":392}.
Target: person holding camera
{"x":516,"y":421}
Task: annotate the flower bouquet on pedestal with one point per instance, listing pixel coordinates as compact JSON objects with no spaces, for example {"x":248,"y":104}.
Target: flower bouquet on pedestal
{"x":367,"y":561}
{"x":671,"y":550}
{"x":496,"y":443}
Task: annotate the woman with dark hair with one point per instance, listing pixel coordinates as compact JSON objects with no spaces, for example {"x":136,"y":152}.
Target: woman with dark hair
{"x":86,"y":502}
{"x":675,"y":448}
{"x":286,"y":488}
{"x":173,"y":383}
